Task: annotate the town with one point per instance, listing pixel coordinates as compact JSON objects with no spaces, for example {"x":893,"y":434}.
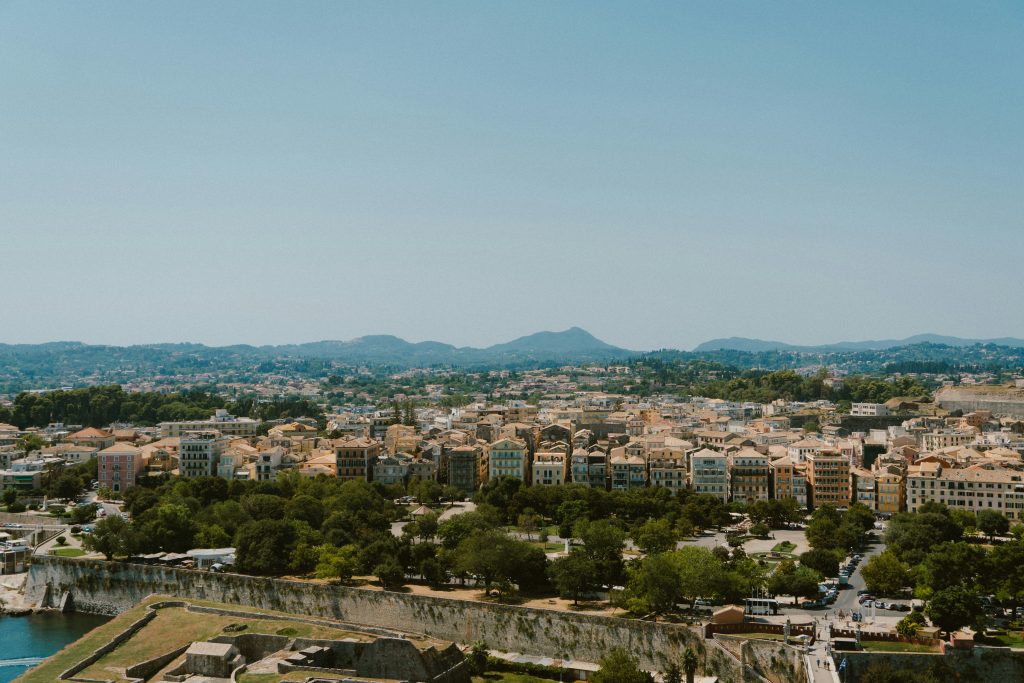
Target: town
{"x":843,"y":528}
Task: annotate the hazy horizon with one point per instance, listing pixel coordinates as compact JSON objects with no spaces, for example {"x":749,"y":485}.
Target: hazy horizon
{"x":658,"y":174}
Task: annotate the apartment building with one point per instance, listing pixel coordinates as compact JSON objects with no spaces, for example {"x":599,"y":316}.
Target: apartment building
{"x":549,"y":469}
{"x":199,"y":453}
{"x":868,"y":410}
{"x":668,"y":468}
{"x":95,"y":438}
{"x":974,"y":488}
{"x":119,"y":466}
{"x":709,"y":473}
{"x":355,"y":458}
{"x":782,"y":478}
{"x":590,"y":468}
{"x":864,"y":487}
{"x":748,"y":476}
{"x":509,"y":458}
{"x":463,"y":465}
{"x":890,"y":488}
{"x":945,"y":438}
{"x":391,"y":469}
{"x":828,"y":479}
{"x":627,"y":471}
{"x":221,"y":421}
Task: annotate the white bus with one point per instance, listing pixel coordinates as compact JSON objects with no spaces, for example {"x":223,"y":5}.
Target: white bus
{"x":761,"y":606}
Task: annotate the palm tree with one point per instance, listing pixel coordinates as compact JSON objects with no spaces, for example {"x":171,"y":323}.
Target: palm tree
{"x":690,"y":664}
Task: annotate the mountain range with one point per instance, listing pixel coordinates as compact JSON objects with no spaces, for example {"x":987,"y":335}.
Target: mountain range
{"x":759,"y":345}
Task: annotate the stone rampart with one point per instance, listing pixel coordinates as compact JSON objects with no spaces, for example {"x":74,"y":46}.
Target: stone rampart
{"x":112,"y":587}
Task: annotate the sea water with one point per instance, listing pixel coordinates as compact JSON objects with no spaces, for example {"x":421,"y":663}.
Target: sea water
{"x":25,"y":641}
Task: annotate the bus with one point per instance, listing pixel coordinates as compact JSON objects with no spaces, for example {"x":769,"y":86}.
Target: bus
{"x":761,"y":606}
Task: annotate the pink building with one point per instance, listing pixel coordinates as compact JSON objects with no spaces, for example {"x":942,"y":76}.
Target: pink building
{"x":119,"y":466}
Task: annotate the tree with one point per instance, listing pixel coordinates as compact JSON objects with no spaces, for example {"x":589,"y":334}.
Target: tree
{"x":391,"y":573}
{"x":10,"y":496}
{"x":574,"y":575}
{"x":603,"y":543}
{"x":950,"y":564}
{"x":619,"y":667}
{"x":884,"y":574}
{"x":992,"y":523}
{"x":83,"y":514}
{"x":654,"y":584}
{"x":112,"y":536}
{"x":673,"y":674}
{"x":31,"y":442}
{"x":953,"y":608}
{"x":265,"y":546}
{"x":701,"y":573}
{"x":476,"y":658}
{"x":655,"y":536}
{"x":337,"y":563}
{"x":803,"y":583}
{"x":168,"y":527}
{"x":910,"y":624}
{"x":689,"y":664}
{"x":825,"y":562}
{"x":212,"y":536}
{"x":66,"y":487}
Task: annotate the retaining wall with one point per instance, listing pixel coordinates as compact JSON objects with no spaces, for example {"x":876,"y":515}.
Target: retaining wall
{"x":111,"y":588}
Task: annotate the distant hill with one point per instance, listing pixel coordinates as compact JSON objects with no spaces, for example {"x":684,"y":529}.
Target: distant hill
{"x":758,"y":345}
{"x":77,"y":359}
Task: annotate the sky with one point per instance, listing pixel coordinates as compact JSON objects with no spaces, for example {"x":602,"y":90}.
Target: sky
{"x":657,"y":173}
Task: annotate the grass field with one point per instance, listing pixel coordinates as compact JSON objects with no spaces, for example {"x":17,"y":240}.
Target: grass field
{"x":888,"y":646}
{"x":784,"y":547}
{"x":67,"y":552}
{"x":507,"y":677}
{"x":172,"y":628}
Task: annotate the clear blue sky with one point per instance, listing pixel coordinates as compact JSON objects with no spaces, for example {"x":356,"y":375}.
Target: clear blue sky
{"x":657,"y":173}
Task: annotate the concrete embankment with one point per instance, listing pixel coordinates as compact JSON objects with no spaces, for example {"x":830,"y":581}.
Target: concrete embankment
{"x":113,"y":587}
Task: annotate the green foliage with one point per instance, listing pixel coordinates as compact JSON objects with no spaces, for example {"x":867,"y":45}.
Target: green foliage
{"x":655,"y":536}
{"x":391,"y":573}
{"x":953,"y":608}
{"x":113,"y":537}
{"x":337,"y":563}
{"x":603,"y":543}
{"x":655,"y":584}
{"x":618,"y":666}
{"x":992,"y":523}
{"x":825,"y":562}
{"x":476,"y":658}
{"x":885,"y":574}
{"x":574,"y":575}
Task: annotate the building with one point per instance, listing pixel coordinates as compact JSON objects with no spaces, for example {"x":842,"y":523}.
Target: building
{"x":92,"y":437}
{"x":828,"y":479}
{"x":221,"y":421}
{"x":464,"y":468}
{"x":590,"y":468}
{"x":199,"y":453}
{"x":266,"y":464}
{"x":508,"y":458}
{"x":355,"y":458}
{"x":549,"y":469}
{"x":627,"y":471}
{"x":788,"y":480}
{"x":890,"y":490}
{"x":748,"y":476}
{"x":946,"y":438}
{"x":668,"y":468}
{"x":119,"y":466}
{"x":868,"y":410}
{"x":864,"y":487}
{"x":391,"y":469}
{"x":709,"y":473}
{"x":974,"y":488}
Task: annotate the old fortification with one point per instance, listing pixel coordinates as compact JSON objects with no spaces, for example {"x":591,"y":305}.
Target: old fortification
{"x":111,"y":588}
{"x":971,"y":666}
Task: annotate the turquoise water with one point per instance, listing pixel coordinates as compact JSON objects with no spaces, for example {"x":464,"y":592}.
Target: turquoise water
{"x":25,"y":640}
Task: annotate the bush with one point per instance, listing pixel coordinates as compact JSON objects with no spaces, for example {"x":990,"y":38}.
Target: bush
{"x":76,"y":530}
{"x":16,"y":506}
{"x":62,"y":540}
